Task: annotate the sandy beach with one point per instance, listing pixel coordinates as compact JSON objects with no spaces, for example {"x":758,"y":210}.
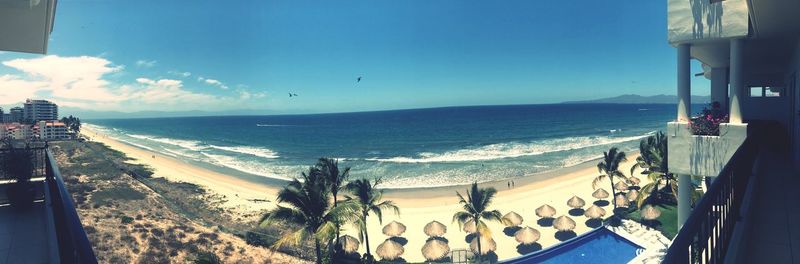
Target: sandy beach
{"x":417,"y":206}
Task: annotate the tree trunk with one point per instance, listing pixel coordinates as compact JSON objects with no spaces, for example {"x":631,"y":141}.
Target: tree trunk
{"x":318,"y":250}
{"x":478,"y":237}
{"x":366,"y":235}
{"x":336,"y":244}
{"x":613,"y":192}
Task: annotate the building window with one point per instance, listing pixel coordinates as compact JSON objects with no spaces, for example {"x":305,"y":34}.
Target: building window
{"x":766,"y":91}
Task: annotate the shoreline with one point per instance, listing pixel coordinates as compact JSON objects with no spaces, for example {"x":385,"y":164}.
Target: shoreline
{"x":418,"y":205}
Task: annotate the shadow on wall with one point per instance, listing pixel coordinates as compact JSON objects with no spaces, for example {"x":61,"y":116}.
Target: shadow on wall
{"x":709,"y":154}
{"x":706,"y":13}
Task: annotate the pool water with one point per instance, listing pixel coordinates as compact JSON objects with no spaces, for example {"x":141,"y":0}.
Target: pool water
{"x":597,"y":246}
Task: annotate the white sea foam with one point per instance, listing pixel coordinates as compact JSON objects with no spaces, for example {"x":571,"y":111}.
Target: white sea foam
{"x":255,"y":151}
{"x":246,"y":166}
{"x":187,"y":144}
{"x":511,"y":150}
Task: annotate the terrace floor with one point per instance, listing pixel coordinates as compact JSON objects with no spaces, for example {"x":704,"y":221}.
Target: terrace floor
{"x":25,"y":236}
{"x":774,"y":234}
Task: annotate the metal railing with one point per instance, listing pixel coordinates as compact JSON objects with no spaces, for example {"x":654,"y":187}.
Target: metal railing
{"x":38,"y":157}
{"x":73,"y":245}
{"x":705,"y":236}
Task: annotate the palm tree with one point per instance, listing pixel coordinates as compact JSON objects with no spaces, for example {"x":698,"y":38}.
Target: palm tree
{"x":335,"y":181}
{"x":653,"y":161}
{"x":369,"y":197}
{"x":476,"y":208}
{"x":609,"y":168}
{"x":309,"y":211}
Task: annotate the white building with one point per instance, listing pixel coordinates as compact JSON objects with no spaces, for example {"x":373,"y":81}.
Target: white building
{"x":750,"y":51}
{"x":51,"y":131}
{"x":38,"y":110}
{"x":18,"y":131}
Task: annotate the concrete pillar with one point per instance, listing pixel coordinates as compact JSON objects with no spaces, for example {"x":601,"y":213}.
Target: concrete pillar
{"x":684,"y":83}
{"x":737,"y":80}
{"x":719,"y":87}
{"x":684,"y":198}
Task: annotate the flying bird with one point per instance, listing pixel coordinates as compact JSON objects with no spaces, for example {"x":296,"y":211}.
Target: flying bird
{"x":359,"y":79}
{"x":292,"y":95}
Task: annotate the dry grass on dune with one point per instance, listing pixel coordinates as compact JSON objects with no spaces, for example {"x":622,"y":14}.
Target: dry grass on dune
{"x":128,"y":222}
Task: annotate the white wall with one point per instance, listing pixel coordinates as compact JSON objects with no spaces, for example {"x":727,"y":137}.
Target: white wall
{"x":700,"y":19}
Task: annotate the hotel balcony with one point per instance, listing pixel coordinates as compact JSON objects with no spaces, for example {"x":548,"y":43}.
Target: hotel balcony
{"x":750,"y":52}
{"x":50,"y":230}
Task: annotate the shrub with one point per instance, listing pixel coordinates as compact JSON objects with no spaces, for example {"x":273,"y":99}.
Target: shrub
{"x":205,"y":257}
{"x":126,"y":219}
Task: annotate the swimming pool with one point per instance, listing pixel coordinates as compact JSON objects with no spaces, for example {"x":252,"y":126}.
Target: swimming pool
{"x":597,"y":246}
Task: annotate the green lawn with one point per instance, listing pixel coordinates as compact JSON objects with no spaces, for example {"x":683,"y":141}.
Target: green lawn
{"x":668,"y":219}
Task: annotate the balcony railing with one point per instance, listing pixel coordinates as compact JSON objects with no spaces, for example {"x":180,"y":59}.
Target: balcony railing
{"x":71,"y":241}
{"x":706,"y":234}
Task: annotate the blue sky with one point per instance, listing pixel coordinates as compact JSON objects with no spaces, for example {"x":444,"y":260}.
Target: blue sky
{"x":215,"y":55}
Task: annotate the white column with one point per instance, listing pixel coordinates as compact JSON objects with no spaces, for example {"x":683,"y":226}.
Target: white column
{"x":719,"y":87}
{"x":737,"y":80}
{"x":684,"y":198}
{"x":684,"y":83}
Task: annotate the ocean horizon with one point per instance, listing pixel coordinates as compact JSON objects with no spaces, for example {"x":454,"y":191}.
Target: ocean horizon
{"x":408,"y":148}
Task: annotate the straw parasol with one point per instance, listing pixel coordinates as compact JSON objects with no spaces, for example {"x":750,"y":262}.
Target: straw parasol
{"x":487,"y":245}
{"x":595,"y":212}
{"x":634,"y":180}
{"x":527,"y":235}
{"x":564,"y":223}
{"x":546,"y":211}
{"x":600,"y":194}
{"x":349,"y":243}
{"x":513,"y":218}
{"x":435,"y":229}
{"x":621,"y":200}
{"x":576,"y":202}
{"x":394,"y":229}
{"x":435,"y":249}
{"x":469,"y":227}
{"x":621,"y":186}
{"x":632,"y":195}
{"x":390,"y":250}
{"x":650,"y":213}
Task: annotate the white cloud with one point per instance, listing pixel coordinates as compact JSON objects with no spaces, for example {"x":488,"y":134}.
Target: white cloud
{"x":180,"y":73}
{"x":215,"y":83}
{"x":146,"y":63}
{"x":83,"y":82}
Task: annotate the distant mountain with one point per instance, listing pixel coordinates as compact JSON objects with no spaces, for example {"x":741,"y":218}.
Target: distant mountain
{"x":638,"y":99}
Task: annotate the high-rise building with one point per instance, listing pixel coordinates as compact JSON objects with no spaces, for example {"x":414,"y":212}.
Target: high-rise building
{"x":36,"y":110}
{"x":16,"y":114}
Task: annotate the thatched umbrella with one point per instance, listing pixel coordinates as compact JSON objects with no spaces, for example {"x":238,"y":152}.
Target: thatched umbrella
{"x":469,"y":227}
{"x":621,"y":200}
{"x":527,"y":235}
{"x":487,"y":245}
{"x":394,"y":229}
{"x":435,"y":249}
{"x":513,"y":219}
{"x":600,"y":194}
{"x":595,"y":212}
{"x":634,"y":180}
{"x":435,"y":229}
{"x":632,"y":195}
{"x":564,"y":223}
{"x":390,"y":250}
{"x":621,"y":186}
{"x":546,"y":211}
{"x":576,"y":202}
{"x":349,"y":243}
{"x":650,"y":213}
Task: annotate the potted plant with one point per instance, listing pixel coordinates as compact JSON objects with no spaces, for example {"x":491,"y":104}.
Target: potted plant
{"x":707,"y":123}
{"x":18,"y":163}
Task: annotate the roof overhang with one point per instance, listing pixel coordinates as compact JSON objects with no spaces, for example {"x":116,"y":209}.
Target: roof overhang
{"x":25,"y":25}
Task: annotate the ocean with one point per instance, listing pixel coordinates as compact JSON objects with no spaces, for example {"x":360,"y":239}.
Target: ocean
{"x":407,"y":148}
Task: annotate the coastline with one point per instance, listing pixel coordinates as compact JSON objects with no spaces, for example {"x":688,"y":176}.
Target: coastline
{"x":418,"y":206}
